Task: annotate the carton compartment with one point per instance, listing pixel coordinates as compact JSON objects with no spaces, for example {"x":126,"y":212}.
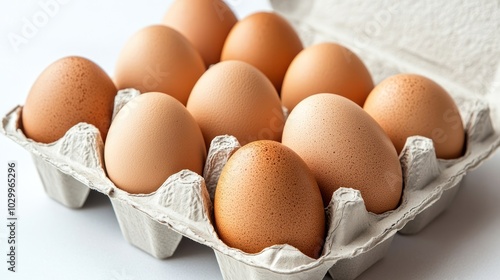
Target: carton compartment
{"x":145,"y":233}
{"x":59,"y":186}
{"x":428,"y":215}
{"x":234,"y":269}
{"x":352,"y":268}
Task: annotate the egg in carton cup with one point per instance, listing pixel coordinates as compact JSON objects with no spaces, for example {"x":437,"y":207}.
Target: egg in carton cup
{"x":355,"y":238}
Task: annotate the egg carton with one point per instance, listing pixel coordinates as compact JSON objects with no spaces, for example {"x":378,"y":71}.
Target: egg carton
{"x":182,"y":206}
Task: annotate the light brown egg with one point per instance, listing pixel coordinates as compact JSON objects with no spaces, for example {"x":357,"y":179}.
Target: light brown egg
{"x":265,"y":40}
{"x":71,"y":90}
{"x":266,"y":195}
{"x":205,"y":23}
{"x":158,"y":58}
{"x":406,"y":105}
{"x":326,"y":67}
{"x":152,"y":137}
{"x":344,"y":147}
{"x":235,"y":98}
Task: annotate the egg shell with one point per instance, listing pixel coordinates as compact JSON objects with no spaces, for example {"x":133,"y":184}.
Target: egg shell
{"x":345,"y":147}
{"x":326,"y":67}
{"x":152,"y":137}
{"x":205,"y":23}
{"x":265,"y":40}
{"x":71,"y":90}
{"x":408,"y":105}
{"x":235,"y":98}
{"x":266,"y":195}
{"x":158,"y":58}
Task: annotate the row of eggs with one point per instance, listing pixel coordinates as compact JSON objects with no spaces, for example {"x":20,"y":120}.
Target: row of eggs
{"x":341,"y":132}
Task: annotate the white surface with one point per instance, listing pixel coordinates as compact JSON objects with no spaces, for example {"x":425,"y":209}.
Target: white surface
{"x":60,"y":243}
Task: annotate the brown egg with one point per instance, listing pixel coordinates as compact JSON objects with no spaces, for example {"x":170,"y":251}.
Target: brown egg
{"x":406,"y":105}
{"x":158,"y":58}
{"x":71,"y":90}
{"x":152,"y":137}
{"x":326,"y":67}
{"x":204,"y":23}
{"x":266,"y":195}
{"x":265,"y":40}
{"x":235,"y":98}
{"x":344,"y":147}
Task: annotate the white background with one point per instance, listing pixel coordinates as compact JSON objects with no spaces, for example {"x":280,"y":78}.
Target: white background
{"x":55,"y":242}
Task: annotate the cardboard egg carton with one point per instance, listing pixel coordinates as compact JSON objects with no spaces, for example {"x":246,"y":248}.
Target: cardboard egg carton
{"x":182,"y":206}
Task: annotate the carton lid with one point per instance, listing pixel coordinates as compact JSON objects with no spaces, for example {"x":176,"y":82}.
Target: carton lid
{"x":455,"y":43}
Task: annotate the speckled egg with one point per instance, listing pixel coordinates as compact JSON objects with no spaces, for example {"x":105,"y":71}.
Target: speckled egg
{"x":266,"y":195}
{"x":265,"y":40}
{"x":205,"y":23}
{"x":407,"y":104}
{"x":345,"y":147}
{"x":158,"y":58}
{"x":71,"y":90}
{"x":326,"y":67}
